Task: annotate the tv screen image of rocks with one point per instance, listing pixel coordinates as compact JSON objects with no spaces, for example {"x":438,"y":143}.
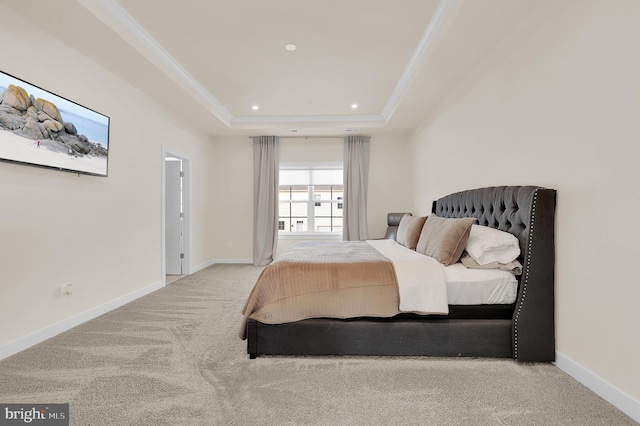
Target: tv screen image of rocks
{"x":39,"y":128}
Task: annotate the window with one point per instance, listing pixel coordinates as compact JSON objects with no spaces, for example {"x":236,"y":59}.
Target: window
{"x":310,"y":198}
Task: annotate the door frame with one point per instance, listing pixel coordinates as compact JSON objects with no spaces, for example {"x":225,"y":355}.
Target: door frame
{"x":186,"y":210}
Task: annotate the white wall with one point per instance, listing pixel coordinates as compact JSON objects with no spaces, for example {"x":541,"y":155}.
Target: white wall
{"x":560,"y":107}
{"x":390,"y":181}
{"x":101,"y":234}
{"x":304,"y":150}
{"x":232,"y":211}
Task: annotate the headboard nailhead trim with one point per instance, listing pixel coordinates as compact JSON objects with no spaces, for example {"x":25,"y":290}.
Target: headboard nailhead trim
{"x":526,"y":275}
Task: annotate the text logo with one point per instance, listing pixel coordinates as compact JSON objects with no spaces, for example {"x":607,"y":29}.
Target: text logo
{"x":34,"y":414}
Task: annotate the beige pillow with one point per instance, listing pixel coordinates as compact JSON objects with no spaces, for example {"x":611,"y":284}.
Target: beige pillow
{"x":444,"y":239}
{"x":409,"y":230}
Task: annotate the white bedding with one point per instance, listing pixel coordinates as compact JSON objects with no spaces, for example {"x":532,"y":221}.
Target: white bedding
{"x":421,"y":279}
{"x":426,"y":286}
{"x":479,"y":286}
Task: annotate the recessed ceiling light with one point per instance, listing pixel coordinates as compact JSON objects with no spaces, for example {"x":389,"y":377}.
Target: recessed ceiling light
{"x":255,"y":107}
{"x":290,"y":47}
{"x":354,"y":106}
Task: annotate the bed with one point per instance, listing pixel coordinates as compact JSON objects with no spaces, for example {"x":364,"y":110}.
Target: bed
{"x":522,"y":330}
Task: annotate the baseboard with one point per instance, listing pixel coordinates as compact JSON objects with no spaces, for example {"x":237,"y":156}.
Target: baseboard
{"x":242,"y":260}
{"x":602,"y":388}
{"x":33,"y":339}
{"x":204,"y":265}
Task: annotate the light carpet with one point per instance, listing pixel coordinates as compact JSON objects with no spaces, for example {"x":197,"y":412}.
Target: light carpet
{"x":173,"y":358}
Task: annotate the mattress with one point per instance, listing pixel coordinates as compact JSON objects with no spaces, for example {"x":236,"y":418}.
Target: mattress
{"x":480,"y":286}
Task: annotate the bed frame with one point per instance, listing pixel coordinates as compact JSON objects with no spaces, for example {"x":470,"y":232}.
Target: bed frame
{"x":523,"y":331}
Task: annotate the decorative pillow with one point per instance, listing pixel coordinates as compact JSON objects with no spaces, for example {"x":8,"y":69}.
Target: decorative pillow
{"x":444,"y":239}
{"x":487,"y":245}
{"x":409,"y":230}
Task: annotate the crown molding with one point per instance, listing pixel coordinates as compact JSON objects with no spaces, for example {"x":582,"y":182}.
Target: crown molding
{"x":113,"y":15}
{"x":441,"y":12}
{"x":308,"y":118}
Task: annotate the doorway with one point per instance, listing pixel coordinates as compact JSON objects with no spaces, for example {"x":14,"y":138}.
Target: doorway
{"x":175,"y":217}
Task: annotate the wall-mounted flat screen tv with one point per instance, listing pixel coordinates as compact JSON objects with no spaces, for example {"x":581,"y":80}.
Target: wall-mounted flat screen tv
{"x":40,"y":128}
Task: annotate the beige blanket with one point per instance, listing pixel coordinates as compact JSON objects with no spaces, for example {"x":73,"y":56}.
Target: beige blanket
{"x":324,"y":279}
{"x":514,"y":267}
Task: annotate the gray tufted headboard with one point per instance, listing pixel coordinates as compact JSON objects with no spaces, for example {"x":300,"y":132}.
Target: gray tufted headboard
{"x":528,"y":212}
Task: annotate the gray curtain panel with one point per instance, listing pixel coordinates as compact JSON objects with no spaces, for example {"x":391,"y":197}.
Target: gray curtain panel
{"x":356,"y":180}
{"x":265,"y":193}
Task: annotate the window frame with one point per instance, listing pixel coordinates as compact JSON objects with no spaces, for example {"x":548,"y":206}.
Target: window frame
{"x":312,"y":202}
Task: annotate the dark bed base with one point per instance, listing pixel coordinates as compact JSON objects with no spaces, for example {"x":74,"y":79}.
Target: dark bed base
{"x":372,"y":337}
{"x":526,"y":334}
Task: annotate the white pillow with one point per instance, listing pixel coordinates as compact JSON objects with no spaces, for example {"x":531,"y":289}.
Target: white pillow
{"x":486,"y":245}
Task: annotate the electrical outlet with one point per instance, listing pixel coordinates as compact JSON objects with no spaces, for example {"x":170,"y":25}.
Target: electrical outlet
{"x":67,"y":289}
